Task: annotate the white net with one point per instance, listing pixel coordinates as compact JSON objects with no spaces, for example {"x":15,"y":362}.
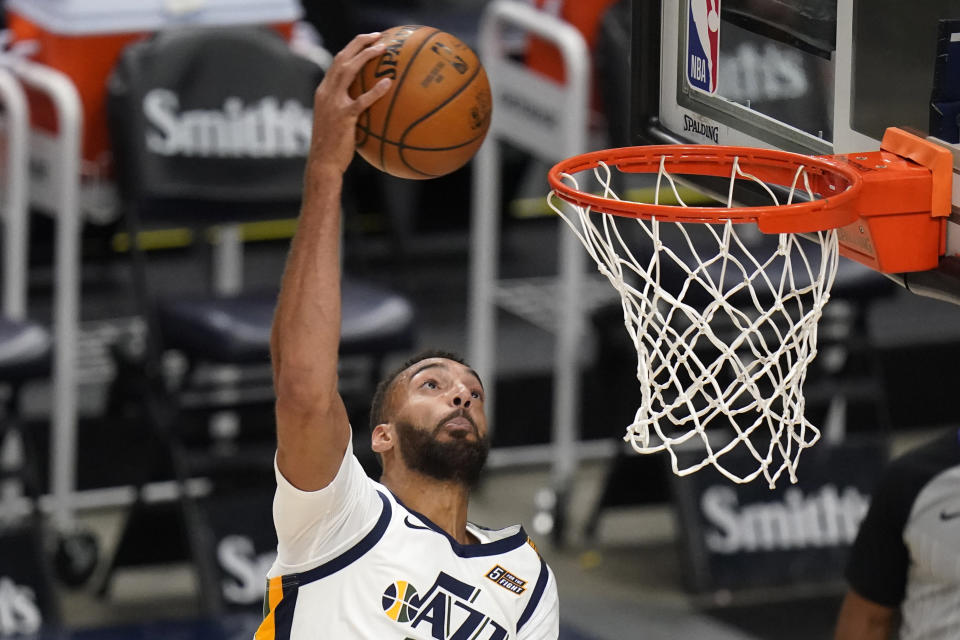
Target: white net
{"x":724,"y":321}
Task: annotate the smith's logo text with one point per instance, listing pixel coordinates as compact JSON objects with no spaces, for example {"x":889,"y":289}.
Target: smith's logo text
{"x":243,"y":569}
{"x":827,"y":517}
{"x":19,"y":613}
{"x":262,"y":129}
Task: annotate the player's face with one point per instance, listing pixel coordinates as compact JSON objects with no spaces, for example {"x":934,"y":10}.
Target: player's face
{"x":440,"y":421}
{"x":444,"y":395}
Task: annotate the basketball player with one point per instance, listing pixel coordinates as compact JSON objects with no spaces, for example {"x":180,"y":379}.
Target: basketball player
{"x":394,"y":559}
{"x":905,"y":562}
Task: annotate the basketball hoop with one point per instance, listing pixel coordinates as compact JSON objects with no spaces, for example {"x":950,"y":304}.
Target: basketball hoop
{"x":724,"y":319}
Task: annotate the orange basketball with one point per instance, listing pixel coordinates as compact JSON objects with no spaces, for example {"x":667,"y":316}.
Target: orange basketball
{"x":437,"y":111}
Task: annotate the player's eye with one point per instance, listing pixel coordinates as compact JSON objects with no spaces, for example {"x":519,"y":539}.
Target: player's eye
{"x":431,"y":384}
{"x":476,"y":395}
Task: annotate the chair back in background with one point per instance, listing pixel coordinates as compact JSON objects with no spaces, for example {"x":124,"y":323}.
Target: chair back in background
{"x":211,"y":122}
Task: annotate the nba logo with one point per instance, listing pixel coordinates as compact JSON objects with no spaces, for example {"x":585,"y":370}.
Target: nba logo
{"x":703,"y":44}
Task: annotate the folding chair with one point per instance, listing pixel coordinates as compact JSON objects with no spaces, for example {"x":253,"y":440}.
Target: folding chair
{"x":26,"y":350}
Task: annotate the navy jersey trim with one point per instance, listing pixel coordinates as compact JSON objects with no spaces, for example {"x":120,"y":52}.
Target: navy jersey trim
{"x":536,"y":595}
{"x":411,"y":525}
{"x":283,"y":615}
{"x":477,"y":550}
{"x":353,"y":553}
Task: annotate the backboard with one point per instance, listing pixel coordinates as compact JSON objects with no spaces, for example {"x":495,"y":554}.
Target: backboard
{"x":810,"y":76}
{"x":807,"y":76}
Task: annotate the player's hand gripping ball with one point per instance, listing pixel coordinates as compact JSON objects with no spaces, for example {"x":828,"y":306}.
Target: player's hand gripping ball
{"x":437,"y":111}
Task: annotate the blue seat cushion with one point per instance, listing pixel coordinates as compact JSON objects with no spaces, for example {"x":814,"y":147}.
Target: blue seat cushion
{"x":237,"y":329}
{"x":25,"y":350}
{"x":374,"y":319}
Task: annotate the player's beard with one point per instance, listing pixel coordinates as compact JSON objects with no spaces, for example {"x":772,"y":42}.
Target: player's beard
{"x":459,"y":460}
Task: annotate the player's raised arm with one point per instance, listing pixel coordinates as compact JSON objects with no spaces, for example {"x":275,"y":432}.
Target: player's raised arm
{"x":312,"y":427}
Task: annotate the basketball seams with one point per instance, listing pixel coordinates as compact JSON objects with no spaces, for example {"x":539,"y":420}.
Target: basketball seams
{"x":465,"y":143}
{"x":401,"y":146}
{"x":453,"y":96}
{"x":396,"y":92}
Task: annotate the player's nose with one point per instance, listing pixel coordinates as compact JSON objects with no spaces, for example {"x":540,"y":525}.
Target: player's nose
{"x":461,"y":395}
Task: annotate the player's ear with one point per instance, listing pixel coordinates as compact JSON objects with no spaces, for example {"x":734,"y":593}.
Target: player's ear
{"x":383,"y":437}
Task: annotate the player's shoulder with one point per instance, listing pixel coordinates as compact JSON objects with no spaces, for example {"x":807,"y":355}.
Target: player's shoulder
{"x":512,"y":545}
{"x":908,"y":474}
{"x":514,"y":533}
{"x":489,"y":534}
{"x":929,"y":459}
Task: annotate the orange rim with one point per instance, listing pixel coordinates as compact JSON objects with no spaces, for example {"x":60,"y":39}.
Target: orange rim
{"x":836,"y":185}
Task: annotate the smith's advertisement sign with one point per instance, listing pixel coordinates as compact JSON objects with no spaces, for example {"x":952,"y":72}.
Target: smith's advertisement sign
{"x":743,"y":536}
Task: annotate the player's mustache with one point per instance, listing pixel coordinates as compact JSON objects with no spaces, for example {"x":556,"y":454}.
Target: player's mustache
{"x":456,"y":413}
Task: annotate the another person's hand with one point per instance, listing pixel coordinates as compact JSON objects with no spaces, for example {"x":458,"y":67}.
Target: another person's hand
{"x":335,"y":113}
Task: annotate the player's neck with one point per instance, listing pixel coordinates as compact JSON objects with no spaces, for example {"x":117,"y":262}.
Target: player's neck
{"x":444,"y":503}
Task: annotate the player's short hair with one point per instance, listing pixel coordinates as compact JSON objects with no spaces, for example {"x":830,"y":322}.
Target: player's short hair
{"x":378,"y":406}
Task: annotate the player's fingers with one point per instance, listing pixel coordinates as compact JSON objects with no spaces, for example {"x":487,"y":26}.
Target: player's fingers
{"x":346,"y":69}
{"x":352,"y":66}
{"x":376,"y":92}
{"x":356,"y":45}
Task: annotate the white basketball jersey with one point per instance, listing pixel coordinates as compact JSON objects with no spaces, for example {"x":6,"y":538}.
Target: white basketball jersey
{"x":398,"y":575}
